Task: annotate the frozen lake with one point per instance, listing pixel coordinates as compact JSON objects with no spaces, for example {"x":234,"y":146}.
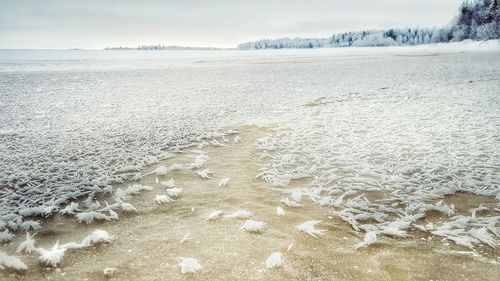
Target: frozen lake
{"x":390,"y":132}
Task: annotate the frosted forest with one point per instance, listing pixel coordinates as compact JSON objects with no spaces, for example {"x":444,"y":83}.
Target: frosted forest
{"x":476,"y":20}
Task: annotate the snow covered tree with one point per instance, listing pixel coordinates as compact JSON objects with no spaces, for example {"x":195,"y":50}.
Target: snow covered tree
{"x":477,"y":20}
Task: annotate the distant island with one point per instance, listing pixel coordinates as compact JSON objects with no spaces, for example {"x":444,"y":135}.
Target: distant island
{"x":476,"y":20}
{"x":161,"y":47}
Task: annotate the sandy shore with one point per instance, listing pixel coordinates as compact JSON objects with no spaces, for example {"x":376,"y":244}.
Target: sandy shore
{"x":147,"y":242}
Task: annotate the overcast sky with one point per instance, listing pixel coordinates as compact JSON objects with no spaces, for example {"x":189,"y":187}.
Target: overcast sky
{"x":96,"y":24}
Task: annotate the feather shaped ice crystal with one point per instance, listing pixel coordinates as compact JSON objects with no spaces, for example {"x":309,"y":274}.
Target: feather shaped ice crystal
{"x":176,"y":167}
{"x":253,"y":226}
{"x":204,"y":174}
{"x":98,"y":236}
{"x":290,"y":203}
{"x":109,"y":271}
{"x":70,"y":209}
{"x":162,"y":199}
{"x":168,"y":184}
{"x":296,"y":196}
{"x":240,"y":214}
{"x":53,"y":256}
{"x":127,"y":207}
{"x":213,"y":215}
{"x":190,"y":265}
{"x":28,"y":245}
{"x":11,"y":262}
{"x":185,"y":238}
{"x":199,"y":161}
{"x":223,"y":182}
{"x":279,"y":211}
{"x":6,"y":236}
{"x":370,"y":238}
{"x":137,"y":188}
{"x":90,"y":216}
{"x":275,"y":260}
{"x":308,"y":228}
{"x":174,"y":192}
{"x":160,"y":171}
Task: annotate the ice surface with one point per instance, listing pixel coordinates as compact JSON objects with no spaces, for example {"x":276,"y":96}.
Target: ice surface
{"x":388,"y":157}
{"x":403,"y":128}
{"x":147,"y":244}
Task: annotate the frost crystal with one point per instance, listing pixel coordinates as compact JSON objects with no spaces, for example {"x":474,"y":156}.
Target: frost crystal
{"x":274,"y":260}
{"x":253,"y":226}
{"x":190,"y":265}
{"x":11,"y":262}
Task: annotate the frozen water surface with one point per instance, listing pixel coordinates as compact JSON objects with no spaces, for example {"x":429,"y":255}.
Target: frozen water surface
{"x":388,"y":141}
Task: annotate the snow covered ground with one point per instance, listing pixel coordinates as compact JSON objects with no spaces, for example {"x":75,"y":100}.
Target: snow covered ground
{"x":387,"y":140}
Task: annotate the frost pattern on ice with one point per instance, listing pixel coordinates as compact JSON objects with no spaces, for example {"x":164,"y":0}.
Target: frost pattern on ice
{"x":421,"y":126}
{"x":70,"y":134}
{"x":412,"y":147}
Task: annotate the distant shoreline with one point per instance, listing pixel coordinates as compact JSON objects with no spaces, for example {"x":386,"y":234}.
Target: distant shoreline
{"x":161,"y":48}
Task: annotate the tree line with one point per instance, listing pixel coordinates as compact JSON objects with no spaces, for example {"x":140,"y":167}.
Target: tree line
{"x":476,"y":20}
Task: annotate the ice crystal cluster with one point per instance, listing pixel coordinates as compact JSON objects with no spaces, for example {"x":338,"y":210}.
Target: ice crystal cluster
{"x":70,"y":129}
{"x":384,"y":159}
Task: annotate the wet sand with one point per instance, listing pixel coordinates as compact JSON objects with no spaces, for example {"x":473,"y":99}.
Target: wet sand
{"x":147,"y":242}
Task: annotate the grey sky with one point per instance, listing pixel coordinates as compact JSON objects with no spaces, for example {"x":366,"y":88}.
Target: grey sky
{"x":218,"y":23}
